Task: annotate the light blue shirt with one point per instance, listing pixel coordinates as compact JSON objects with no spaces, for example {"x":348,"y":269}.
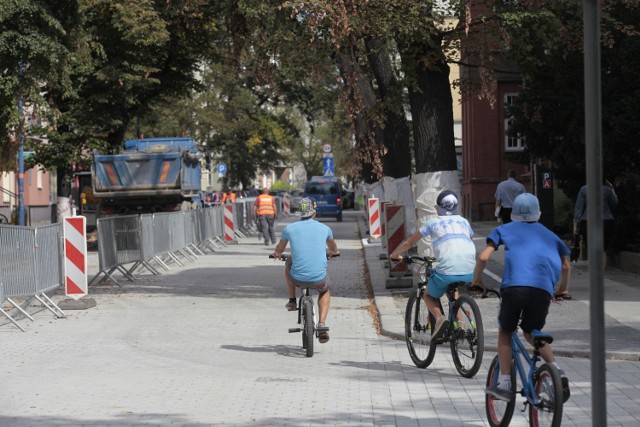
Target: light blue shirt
{"x":452,"y":244}
{"x":308,"y":240}
{"x":507,"y":191}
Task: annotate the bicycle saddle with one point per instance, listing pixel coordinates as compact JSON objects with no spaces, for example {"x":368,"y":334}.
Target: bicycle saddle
{"x":540,"y":338}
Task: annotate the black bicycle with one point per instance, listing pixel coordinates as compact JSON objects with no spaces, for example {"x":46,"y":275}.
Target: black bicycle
{"x":465,"y":332}
{"x":307,"y":316}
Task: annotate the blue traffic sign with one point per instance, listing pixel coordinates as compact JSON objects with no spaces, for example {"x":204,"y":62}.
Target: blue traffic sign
{"x":222,"y":168}
{"x":328,"y":166}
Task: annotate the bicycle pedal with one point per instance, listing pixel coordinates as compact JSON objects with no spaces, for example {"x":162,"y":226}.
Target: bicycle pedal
{"x":292,"y":330}
{"x":322,"y":329}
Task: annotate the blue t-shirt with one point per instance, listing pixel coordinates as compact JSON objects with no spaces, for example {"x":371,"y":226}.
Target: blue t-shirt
{"x":452,"y":244}
{"x":308,"y":240}
{"x":532,"y":255}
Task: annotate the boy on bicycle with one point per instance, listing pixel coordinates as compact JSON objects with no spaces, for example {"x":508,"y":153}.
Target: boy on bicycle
{"x":307,"y":265}
{"x":453,"y":249}
{"x":534,"y":259}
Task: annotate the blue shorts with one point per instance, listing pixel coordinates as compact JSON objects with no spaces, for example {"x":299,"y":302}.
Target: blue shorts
{"x":438,"y":282}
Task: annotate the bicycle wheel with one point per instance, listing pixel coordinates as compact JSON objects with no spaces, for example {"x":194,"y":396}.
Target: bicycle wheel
{"x":308,"y":331}
{"x":417,"y":331}
{"x":467,"y":337}
{"x":499,"y":412}
{"x":3,"y":219}
{"x":548,"y":386}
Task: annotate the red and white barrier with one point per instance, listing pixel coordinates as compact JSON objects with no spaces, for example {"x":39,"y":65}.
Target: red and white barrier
{"x":383,"y":221}
{"x":287,"y":204}
{"x":374,"y":218}
{"x":75,"y":257}
{"x":229,"y":223}
{"x":395,"y":231}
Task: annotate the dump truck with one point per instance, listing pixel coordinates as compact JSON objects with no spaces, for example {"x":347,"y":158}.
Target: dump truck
{"x":148,"y":175}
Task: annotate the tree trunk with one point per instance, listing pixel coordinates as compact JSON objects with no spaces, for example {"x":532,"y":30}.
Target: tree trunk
{"x":361,"y":105}
{"x":396,"y":161}
{"x":432,"y":114}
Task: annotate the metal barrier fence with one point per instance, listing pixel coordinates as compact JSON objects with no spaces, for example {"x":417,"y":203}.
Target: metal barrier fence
{"x":152,"y":240}
{"x":32,"y":259}
{"x":30,"y":265}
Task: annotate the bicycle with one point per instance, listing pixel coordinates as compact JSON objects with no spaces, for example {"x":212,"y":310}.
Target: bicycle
{"x":465,"y":332}
{"x":3,"y":219}
{"x":541,"y":386}
{"x":307,"y":316}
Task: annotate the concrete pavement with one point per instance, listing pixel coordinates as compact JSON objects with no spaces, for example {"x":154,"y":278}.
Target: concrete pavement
{"x":568,"y":321}
{"x":207,"y":344}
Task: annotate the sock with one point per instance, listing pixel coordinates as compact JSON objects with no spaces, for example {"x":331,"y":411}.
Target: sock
{"x":504,"y":382}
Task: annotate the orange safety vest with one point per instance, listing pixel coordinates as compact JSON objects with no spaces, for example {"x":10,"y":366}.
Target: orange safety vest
{"x":232,"y":198}
{"x":264,"y":202}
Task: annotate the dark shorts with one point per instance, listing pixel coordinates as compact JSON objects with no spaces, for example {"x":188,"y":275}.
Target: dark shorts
{"x":505,"y":214}
{"x":321,"y":286}
{"x":530,"y":304}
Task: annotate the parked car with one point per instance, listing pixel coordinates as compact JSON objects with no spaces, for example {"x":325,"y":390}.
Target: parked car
{"x":294,"y":202}
{"x":327,"y":192}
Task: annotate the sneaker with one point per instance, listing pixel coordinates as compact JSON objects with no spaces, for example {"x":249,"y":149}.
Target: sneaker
{"x":566,"y":393}
{"x":499,"y":393}
{"x":291,"y":306}
{"x":323,"y":335}
{"x":441,"y":325}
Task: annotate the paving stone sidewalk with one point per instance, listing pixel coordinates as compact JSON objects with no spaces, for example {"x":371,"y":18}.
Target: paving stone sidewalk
{"x":568,"y":321}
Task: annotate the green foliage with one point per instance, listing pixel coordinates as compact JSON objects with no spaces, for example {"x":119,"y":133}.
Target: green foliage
{"x":35,"y":46}
{"x":281,"y":185}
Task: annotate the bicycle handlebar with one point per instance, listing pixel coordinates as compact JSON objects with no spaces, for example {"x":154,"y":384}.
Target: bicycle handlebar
{"x":409,"y":259}
{"x":284,"y":257}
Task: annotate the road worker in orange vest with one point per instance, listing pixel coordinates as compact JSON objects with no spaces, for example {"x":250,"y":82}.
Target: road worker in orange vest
{"x":265,"y":210}
{"x":228,"y":197}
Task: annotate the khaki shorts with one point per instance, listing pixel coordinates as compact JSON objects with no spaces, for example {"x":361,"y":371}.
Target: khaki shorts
{"x":321,"y":286}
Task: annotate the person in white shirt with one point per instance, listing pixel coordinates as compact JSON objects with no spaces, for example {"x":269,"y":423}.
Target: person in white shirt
{"x":453,"y":249}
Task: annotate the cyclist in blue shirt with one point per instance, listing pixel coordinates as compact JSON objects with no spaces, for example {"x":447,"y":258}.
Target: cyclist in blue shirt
{"x":453,"y":248}
{"x":534,"y":259}
{"x":307,"y":265}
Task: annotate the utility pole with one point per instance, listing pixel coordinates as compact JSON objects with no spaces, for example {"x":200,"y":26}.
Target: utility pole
{"x":20,"y":157}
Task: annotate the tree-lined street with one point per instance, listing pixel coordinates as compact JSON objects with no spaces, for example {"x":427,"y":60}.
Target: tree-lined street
{"x":207,"y":344}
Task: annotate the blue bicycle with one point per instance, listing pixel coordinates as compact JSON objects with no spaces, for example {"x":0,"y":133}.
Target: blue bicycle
{"x":541,"y":385}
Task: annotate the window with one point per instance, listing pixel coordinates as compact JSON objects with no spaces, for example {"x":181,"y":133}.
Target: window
{"x":39,"y":175}
{"x":511,"y":143}
{"x":9,"y":185}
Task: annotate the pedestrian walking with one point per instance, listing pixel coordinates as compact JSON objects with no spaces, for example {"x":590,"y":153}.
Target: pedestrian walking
{"x":506,"y":192}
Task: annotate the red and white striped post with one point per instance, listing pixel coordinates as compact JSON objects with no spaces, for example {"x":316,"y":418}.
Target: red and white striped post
{"x":75,"y":257}
{"x":229,"y":223}
{"x":395,"y":234}
{"x":374,"y":218}
{"x":383,"y":221}
{"x":287,"y":204}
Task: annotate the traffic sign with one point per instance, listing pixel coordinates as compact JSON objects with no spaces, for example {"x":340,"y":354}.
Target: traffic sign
{"x":222,"y":169}
{"x":328,"y":166}
{"x":326,"y":148}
